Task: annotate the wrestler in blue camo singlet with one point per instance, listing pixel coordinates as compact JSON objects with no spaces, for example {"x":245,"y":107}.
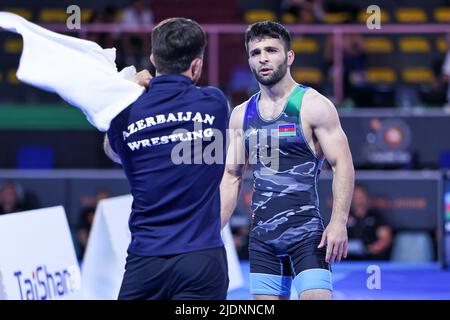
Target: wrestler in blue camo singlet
{"x":285,"y":201}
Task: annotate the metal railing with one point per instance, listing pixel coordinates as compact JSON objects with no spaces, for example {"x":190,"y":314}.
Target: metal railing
{"x":215,"y":30}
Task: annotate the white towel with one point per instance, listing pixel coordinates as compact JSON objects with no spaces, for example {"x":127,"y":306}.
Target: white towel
{"x":80,"y":71}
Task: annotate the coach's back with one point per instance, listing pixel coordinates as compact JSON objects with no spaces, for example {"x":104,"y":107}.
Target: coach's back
{"x":162,"y":140}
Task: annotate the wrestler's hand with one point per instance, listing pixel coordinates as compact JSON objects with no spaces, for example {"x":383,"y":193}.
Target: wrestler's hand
{"x":142,"y":78}
{"x":335,"y":237}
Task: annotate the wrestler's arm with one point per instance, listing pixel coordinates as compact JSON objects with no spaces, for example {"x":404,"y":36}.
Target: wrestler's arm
{"x":323,"y":118}
{"x":234,"y":166}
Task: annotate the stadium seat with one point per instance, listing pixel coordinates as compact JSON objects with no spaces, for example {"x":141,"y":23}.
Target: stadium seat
{"x":442,"y":14}
{"x":52,"y":15}
{"x":379,"y":45}
{"x":12,"y":78}
{"x":25,"y":13}
{"x":13,"y":46}
{"x":412,"y":246}
{"x":414,"y":45}
{"x":119,"y":15}
{"x":255,"y":15}
{"x":308,"y":75}
{"x":337,"y":17}
{"x":411,"y":15}
{"x":441,"y":44}
{"x":363,"y":15}
{"x":288,"y":18}
{"x":304,"y":45}
{"x":86,"y":15}
{"x":381,"y":75}
{"x":417,"y":75}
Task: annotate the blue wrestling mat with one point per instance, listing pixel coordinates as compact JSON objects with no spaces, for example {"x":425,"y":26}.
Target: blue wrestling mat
{"x":396,"y":281}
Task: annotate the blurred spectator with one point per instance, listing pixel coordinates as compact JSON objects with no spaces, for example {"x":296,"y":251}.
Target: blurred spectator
{"x":13,"y":198}
{"x":136,"y":46}
{"x":355,"y":84}
{"x":240,"y":237}
{"x":350,"y":7}
{"x":10,"y":198}
{"x":87,"y":218}
{"x":369,"y":237}
{"x":446,"y":70}
{"x":240,"y":222}
{"x":436,"y":92}
{"x":106,"y":15}
{"x":305,"y":11}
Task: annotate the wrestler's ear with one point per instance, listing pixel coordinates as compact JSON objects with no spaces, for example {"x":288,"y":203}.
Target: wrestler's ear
{"x":290,"y":57}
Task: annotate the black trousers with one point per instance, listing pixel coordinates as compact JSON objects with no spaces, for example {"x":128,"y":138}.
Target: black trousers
{"x":198,"y":275}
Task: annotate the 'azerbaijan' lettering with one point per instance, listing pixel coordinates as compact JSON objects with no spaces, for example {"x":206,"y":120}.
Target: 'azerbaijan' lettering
{"x":162,"y":118}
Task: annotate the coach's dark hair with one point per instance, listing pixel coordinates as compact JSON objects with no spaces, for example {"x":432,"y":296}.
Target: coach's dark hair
{"x":176,"y":42}
{"x":268,"y":29}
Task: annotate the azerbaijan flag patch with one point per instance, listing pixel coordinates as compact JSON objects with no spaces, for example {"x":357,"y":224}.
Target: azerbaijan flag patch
{"x":287,"y":130}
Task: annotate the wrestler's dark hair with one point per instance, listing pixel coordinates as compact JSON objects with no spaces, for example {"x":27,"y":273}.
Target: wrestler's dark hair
{"x":268,"y":29}
{"x":176,"y":42}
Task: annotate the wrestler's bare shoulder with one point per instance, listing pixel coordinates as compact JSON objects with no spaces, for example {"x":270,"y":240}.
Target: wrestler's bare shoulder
{"x":316,"y":104}
{"x":237,"y":115}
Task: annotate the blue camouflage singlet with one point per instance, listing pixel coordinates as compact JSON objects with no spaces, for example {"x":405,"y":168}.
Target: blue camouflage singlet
{"x":285,"y":171}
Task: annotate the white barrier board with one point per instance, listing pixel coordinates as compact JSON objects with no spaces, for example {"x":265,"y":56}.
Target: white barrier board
{"x":105,"y":256}
{"x":37,"y":256}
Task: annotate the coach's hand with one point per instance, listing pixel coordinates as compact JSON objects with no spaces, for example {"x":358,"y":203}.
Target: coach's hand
{"x":142,"y":78}
{"x":335,"y":237}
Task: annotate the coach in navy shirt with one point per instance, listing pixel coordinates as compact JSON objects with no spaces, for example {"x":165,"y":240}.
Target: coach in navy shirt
{"x":171,"y":144}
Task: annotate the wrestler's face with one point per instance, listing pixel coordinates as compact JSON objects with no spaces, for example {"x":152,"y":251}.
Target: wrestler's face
{"x":269,"y":60}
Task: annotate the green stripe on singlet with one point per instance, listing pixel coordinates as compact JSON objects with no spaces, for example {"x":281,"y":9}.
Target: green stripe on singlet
{"x":295,"y":101}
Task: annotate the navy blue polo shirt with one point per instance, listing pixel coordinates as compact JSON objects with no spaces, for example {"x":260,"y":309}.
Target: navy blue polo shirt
{"x":171,"y":141}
